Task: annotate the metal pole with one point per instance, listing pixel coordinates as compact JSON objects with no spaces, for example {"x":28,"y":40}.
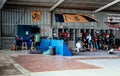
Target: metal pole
{"x":0,"y":30}
{"x":51,"y":23}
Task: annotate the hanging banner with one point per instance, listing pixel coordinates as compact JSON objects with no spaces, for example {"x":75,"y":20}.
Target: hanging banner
{"x":36,"y":16}
{"x":78,"y":18}
{"x":74,"y":18}
{"x":112,"y":25}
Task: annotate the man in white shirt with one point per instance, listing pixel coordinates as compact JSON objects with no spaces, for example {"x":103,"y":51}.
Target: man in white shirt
{"x":79,"y":46}
{"x":89,"y":37}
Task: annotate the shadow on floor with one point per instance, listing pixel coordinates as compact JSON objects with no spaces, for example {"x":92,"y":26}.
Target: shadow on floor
{"x":8,"y":69}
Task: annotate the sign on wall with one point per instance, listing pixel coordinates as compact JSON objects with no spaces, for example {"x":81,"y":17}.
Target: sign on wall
{"x":113,"y":17}
{"x":113,"y":21}
{"x":36,"y":16}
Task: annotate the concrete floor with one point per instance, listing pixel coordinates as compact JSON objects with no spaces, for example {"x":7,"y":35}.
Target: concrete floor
{"x":81,"y":64}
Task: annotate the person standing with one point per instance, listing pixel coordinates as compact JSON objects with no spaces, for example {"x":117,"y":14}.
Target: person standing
{"x":95,"y":41}
{"x":37,"y":40}
{"x":90,"y":45}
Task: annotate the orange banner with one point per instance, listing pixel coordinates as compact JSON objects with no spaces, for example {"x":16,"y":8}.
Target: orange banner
{"x":36,"y":16}
{"x":74,"y":18}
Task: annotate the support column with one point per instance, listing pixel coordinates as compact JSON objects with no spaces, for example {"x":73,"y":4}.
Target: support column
{"x":51,"y":24}
{"x":0,"y":29}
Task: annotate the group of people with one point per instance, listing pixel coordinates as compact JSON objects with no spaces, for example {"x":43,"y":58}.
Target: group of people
{"x":95,"y":41}
{"x":17,"y":42}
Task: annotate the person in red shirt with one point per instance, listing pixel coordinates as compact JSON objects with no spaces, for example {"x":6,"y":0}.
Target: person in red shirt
{"x":95,"y":41}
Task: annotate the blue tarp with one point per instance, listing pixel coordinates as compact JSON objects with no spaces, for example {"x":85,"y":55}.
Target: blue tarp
{"x":60,"y":47}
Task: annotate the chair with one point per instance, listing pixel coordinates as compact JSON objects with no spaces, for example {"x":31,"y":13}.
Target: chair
{"x":24,"y":45}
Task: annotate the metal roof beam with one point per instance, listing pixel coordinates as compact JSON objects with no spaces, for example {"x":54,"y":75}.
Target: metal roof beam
{"x":2,"y":2}
{"x":106,"y":6}
{"x":56,"y":5}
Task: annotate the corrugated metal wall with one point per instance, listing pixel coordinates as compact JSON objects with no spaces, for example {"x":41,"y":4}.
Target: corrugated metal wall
{"x":100,"y":16}
{"x":21,"y":16}
{"x":73,"y":25}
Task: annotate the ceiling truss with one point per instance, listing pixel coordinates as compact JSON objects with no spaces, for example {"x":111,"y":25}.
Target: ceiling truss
{"x":94,"y":6}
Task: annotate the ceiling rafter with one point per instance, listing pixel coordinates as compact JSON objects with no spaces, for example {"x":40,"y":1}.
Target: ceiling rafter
{"x":66,"y":4}
{"x":30,"y":3}
{"x":106,"y":6}
{"x":56,"y":5}
{"x":88,"y":2}
{"x":2,"y":2}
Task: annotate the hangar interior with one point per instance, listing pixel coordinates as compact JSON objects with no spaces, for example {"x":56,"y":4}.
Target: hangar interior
{"x":17,"y":18}
{"x":76,"y":37}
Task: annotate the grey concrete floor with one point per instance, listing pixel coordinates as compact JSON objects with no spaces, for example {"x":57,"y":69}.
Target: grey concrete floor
{"x":7,"y":66}
{"x":109,"y":66}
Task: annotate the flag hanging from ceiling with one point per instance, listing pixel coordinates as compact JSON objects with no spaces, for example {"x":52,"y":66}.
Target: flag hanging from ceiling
{"x":36,"y":16}
{"x":74,"y":18}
